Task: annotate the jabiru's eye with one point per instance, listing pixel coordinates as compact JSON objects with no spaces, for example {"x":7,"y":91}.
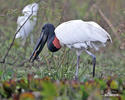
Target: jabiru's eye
{"x":43,"y":28}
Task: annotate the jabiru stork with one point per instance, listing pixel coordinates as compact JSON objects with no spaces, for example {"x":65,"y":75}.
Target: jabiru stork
{"x":75,"y":34}
{"x":30,"y":24}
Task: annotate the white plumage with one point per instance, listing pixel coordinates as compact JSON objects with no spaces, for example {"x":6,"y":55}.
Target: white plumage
{"x":80,"y":34}
{"x":76,"y":34}
{"x":29,"y":25}
{"x":27,"y":10}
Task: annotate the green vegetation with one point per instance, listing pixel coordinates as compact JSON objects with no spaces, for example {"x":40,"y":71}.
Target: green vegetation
{"x":47,"y":89}
{"x":61,"y":65}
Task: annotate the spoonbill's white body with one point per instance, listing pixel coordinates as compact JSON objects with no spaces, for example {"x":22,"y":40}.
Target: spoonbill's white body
{"x":30,"y":24}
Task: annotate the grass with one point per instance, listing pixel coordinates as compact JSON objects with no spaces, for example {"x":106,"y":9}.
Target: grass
{"x":60,"y":65}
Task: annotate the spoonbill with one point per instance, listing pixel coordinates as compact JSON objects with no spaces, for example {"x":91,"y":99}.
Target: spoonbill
{"x":75,"y":34}
{"x":30,"y":24}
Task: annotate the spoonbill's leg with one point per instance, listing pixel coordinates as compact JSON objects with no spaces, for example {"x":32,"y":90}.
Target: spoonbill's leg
{"x":93,"y":60}
{"x":31,"y":39}
{"x":23,"y":41}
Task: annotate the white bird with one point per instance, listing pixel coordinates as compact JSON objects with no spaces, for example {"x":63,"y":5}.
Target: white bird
{"x":75,"y":34}
{"x":27,"y":10}
{"x":30,"y":24}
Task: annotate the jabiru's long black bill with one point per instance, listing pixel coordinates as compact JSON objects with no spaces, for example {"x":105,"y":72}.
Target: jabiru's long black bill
{"x":39,"y":46}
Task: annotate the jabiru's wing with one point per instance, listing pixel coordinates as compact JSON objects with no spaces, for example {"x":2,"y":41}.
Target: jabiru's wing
{"x":78,"y":32}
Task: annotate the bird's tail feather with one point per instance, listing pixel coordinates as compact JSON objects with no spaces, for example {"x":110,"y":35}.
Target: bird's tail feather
{"x":109,"y":38}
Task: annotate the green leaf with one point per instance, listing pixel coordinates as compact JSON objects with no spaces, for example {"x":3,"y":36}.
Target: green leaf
{"x":49,"y":91}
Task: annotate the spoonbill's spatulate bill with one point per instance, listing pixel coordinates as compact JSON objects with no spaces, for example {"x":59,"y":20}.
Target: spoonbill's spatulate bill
{"x":30,"y":24}
{"x":75,"y":34}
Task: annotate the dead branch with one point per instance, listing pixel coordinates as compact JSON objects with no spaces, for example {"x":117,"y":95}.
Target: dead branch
{"x":23,"y":62}
{"x":6,"y":54}
{"x":8,"y":63}
{"x":4,"y":58}
{"x":107,"y":21}
{"x":2,"y":15}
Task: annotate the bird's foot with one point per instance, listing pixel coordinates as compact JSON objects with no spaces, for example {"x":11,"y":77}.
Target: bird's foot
{"x":75,"y":78}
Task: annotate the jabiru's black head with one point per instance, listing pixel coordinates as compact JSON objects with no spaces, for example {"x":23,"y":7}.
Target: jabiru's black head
{"x":47,"y":35}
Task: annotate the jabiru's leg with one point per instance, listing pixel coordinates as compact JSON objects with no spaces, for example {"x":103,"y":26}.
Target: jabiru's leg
{"x":77,"y":67}
{"x":93,"y":60}
{"x":78,"y":53}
